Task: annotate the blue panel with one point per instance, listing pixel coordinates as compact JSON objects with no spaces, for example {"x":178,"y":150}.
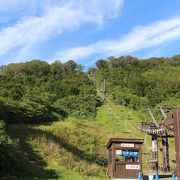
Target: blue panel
{"x":133,"y":153}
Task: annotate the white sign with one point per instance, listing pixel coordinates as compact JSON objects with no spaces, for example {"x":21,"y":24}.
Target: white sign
{"x":130,"y":166}
{"x":154,"y":146}
{"x":118,"y":152}
{"x":127,"y":145}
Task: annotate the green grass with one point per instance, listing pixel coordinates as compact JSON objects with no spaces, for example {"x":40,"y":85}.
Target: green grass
{"x":71,"y":149}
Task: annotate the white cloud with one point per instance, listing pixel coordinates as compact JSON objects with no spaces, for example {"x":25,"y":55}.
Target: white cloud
{"x":141,"y":37}
{"x":18,"y":6}
{"x":58,"y":17}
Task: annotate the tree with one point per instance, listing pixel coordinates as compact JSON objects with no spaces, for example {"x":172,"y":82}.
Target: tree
{"x":70,"y":66}
{"x":101,"y":64}
{"x":57,"y":68}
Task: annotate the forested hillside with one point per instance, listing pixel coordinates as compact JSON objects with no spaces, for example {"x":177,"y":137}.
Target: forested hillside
{"x":35,"y":94}
{"x":140,"y":83}
{"x":36,"y":91}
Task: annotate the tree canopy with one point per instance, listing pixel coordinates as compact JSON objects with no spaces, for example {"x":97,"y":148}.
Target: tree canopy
{"x":37,"y":91}
{"x":140,"y":83}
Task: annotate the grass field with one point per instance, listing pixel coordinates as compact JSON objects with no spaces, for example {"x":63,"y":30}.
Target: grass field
{"x":75,"y":149}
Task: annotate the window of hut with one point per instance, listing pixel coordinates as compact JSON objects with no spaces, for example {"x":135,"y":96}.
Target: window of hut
{"x":119,"y":156}
{"x":131,"y":156}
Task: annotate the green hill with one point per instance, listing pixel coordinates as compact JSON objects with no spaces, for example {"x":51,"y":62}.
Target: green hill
{"x":140,"y":83}
{"x":69,"y":148}
{"x":57,"y":123}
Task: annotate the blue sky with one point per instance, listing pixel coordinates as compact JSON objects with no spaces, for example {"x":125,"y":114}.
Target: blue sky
{"x":87,"y":30}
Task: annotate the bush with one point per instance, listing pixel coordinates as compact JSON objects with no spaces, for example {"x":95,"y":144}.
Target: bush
{"x":127,"y":98}
{"x":82,"y":106}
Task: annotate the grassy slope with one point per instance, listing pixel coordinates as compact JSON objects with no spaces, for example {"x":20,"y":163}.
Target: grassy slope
{"x":69,"y":149}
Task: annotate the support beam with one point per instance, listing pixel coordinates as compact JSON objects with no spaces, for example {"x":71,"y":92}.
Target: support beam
{"x":154,"y":165}
{"x":165,"y":151}
{"x":165,"y":147}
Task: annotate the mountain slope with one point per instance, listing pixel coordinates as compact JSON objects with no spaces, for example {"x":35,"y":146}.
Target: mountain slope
{"x":70,"y":148}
